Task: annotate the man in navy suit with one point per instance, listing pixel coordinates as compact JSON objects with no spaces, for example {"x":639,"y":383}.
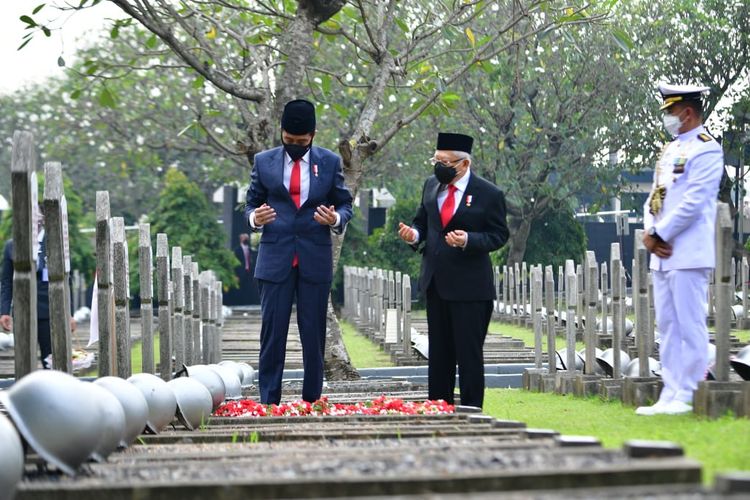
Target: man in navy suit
{"x":297,"y":197}
{"x":460,"y":220}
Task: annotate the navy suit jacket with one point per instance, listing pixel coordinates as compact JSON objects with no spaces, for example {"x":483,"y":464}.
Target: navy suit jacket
{"x":295,"y":231}
{"x":6,"y":284}
{"x":461,"y":274}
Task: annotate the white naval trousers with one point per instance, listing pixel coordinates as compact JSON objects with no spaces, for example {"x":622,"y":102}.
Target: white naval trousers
{"x":681,"y":304}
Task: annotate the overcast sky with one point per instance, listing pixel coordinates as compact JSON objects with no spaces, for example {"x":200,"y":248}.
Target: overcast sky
{"x":38,"y":60}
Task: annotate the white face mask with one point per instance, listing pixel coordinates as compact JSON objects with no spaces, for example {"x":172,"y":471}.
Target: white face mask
{"x":672,"y":124}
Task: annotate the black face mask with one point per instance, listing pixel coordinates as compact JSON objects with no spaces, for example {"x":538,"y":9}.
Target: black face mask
{"x":444,"y":173}
{"x":295,"y":151}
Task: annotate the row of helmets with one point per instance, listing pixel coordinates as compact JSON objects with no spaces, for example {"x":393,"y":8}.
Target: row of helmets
{"x":68,"y":422}
{"x":605,"y":362}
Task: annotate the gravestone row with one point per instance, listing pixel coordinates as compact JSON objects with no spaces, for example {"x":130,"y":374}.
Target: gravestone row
{"x":189,"y":302}
{"x":602,"y":372}
{"x":378,"y":303}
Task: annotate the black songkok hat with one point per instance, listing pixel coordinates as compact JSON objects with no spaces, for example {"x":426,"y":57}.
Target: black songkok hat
{"x":298,"y":117}
{"x":454,"y":142}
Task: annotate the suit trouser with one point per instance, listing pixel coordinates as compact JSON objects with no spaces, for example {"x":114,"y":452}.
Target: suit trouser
{"x":276,"y":308}
{"x":44,"y":338}
{"x":456,"y":331}
{"x":681,"y":302}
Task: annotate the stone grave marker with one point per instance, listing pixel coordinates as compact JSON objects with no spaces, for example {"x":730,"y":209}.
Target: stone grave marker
{"x":162,"y":295}
{"x":644,"y":389}
{"x":105,"y":297}
{"x":146,"y":276}
{"x":122,"y":297}
{"x":187,"y":325}
{"x":715,"y":398}
{"x":58,"y":267}
{"x":178,"y":301}
{"x":24,"y":202}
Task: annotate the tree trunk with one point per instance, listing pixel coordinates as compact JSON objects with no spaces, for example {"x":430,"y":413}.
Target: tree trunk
{"x":337,"y":363}
{"x":519,"y":234}
{"x":338,"y":366}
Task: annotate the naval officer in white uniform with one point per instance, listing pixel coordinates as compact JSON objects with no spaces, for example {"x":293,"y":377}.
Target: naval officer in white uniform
{"x":679,"y":223}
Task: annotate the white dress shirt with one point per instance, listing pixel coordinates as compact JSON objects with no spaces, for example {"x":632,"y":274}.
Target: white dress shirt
{"x":304,"y":182}
{"x":458,"y":194}
{"x":461,"y":185}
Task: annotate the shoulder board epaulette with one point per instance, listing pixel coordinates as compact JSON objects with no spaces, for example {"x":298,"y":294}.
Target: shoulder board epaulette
{"x":705,"y":137}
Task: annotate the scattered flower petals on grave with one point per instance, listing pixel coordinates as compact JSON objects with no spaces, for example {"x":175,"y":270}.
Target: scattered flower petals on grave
{"x":382,"y":405}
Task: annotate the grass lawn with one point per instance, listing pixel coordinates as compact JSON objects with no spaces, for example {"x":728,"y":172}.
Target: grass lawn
{"x":136,"y":359}
{"x":720,"y":445}
{"x":136,"y":356}
{"x":743,"y":335}
{"x":527,"y":335}
{"x":362,"y":352}
{"x":517,"y":332}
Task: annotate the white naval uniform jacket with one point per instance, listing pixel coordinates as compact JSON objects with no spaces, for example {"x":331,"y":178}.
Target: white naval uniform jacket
{"x":690,"y":168}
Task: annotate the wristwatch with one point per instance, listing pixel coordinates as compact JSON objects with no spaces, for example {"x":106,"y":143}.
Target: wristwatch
{"x":652,"y":232}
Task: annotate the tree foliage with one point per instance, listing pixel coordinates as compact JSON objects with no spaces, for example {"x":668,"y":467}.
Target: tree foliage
{"x":554,"y":238}
{"x":189,"y":221}
{"x":546,"y":91}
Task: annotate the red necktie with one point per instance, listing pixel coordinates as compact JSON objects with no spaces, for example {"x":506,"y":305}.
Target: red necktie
{"x":446,"y":211}
{"x":294,"y":192}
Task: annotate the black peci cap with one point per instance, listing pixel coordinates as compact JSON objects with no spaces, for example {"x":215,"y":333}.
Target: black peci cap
{"x":454,"y":142}
{"x":298,"y":117}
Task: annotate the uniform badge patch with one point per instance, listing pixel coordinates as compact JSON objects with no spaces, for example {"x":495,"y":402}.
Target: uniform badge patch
{"x":679,"y":165}
{"x":705,"y":137}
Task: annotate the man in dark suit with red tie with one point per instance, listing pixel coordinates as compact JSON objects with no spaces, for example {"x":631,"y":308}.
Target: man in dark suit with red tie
{"x":460,"y":220}
{"x":297,"y":197}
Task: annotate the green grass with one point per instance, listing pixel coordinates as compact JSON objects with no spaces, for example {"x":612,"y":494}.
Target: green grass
{"x":720,"y":445}
{"x":362,"y":352}
{"x":517,"y":332}
{"x":136,"y":359}
{"x":136,"y":355}
{"x":527,"y":335}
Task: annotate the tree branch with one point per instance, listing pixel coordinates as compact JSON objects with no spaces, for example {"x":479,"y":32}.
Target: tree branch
{"x":165,"y":33}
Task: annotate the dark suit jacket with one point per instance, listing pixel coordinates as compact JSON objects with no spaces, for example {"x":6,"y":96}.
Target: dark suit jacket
{"x":295,"y":231}
{"x":6,"y":284}
{"x":461,"y":274}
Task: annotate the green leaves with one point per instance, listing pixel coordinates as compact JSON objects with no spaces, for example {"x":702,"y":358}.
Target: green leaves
{"x":199,"y":82}
{"x":402,"y":24}
{"x":152,"y":42}
{"x":622,"y":39}
{"x":341,"y":110}
{"x":325,"y":84}
{"x":25,"y":42}
{"x":29,"y":21}
{"x":450,"y":99}
{"x":106,"y":98}
{"x":470,"y":36}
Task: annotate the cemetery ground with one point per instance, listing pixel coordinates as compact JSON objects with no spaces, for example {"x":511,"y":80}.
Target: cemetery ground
{"x":721,"y":445}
